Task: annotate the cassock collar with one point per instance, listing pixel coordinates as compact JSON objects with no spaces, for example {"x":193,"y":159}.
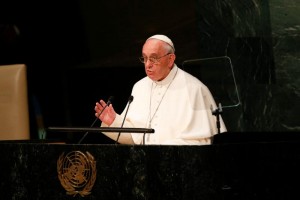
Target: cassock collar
{"x":169,"y":78}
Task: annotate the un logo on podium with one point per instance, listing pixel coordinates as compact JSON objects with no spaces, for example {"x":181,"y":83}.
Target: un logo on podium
{"x":77,"y":172}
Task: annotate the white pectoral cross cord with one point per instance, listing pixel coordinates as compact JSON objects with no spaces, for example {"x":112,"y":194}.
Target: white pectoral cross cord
{"x":153,"y":93}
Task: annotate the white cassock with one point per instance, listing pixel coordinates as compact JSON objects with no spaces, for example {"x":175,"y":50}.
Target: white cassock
{"x":178,"y":108}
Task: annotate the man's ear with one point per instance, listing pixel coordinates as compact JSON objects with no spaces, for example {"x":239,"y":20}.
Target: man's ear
{"x":172,"y":58}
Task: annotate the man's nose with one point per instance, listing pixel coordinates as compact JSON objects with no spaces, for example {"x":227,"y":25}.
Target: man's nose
{"x":148,"y":64}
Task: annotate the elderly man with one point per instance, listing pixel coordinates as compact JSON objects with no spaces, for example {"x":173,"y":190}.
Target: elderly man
{"x":169,"y":100}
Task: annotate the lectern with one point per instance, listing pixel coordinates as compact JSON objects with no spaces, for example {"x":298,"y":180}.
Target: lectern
{"x":230,"y":170}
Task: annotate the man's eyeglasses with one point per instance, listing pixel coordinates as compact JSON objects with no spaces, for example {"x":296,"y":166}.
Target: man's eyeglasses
{"x":153,"y":60}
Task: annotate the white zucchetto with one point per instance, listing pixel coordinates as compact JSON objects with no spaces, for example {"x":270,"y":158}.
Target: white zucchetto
{"x":163,"y":38}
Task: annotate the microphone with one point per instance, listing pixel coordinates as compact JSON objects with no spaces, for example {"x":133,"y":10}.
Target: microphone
{"x":110,"y":99}
{"x":129,"y":102}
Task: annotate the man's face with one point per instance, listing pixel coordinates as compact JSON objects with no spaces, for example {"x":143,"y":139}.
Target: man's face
{"x":158,"y":63}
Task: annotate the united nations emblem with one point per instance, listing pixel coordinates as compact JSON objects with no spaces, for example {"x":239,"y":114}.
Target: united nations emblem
{"x":77,"y":172}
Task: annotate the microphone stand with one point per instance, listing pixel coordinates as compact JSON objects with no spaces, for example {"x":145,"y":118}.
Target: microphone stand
{"x":87,"y":131}
{"x":107,"y":104}
{"x":129,"y":102}
{"x":217,"y":113}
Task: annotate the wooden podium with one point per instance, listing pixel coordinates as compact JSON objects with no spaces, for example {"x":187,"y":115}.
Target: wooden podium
{"x":254,"y":170}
